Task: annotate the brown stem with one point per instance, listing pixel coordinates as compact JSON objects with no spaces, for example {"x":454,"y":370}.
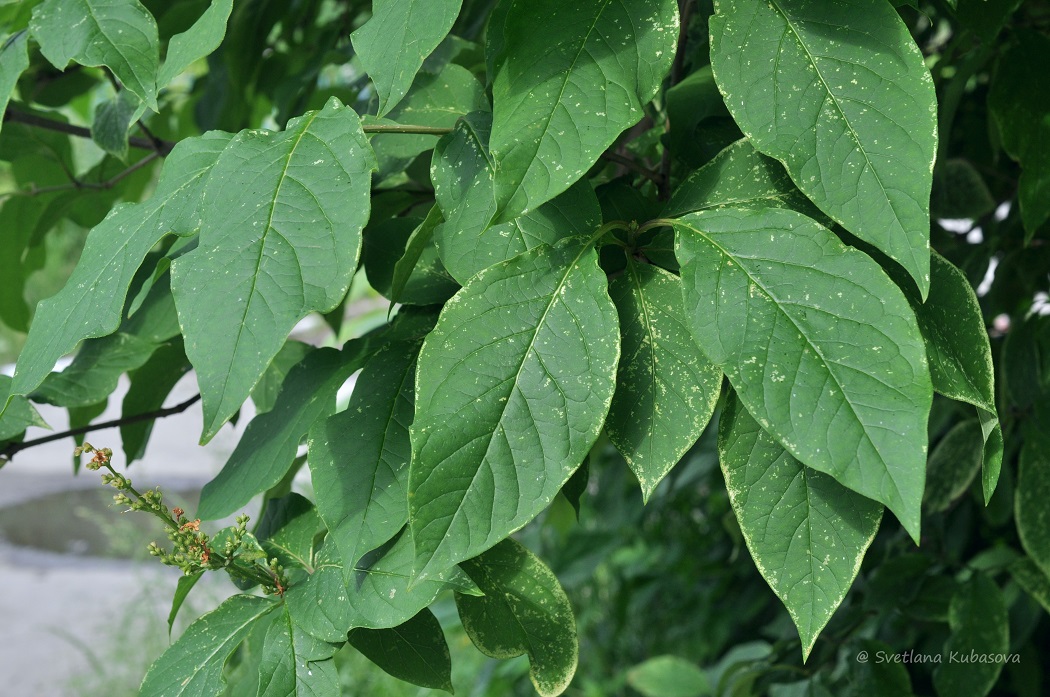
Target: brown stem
{"x":15,"y":116}
{"x":677,"y":67}
{"x":632,"y":165}
{"x":13,"y":448}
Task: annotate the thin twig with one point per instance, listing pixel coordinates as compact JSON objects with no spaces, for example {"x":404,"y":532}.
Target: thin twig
{"x":632,"y":165}
{"x":16,"y":116}
{"x":9,"y":452}
{"x":77,"y":184}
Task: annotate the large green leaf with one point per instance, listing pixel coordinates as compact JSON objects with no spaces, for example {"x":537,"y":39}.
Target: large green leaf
{"x":14,"y":58}
{"x":414,"y":651}
{"x":741,"y":177}
{"x":288,"y":530}
{"x":192,"y":666}
{"x":572,"y":77}
{"x":359,"y":457}
{"x":980,"y":625}
{"x":119,"y":34}
{"x":1019,"y":102}
{"x":464,"y":174}
{"x":396,"y":40}
{"x":1031,"y":513}
{"x":92,"y":302}
{"x":839,"y":93}
{"x":289,"y":667}
{"x":1034,"y":581}
{"x":806,"y":532}
{"x":93,"y":374}
{"x":268,"y":446}
{"x":821,"y":346}
{"x":524,"y":611}
{"x":280,"y":238}
{"x":666,"y":389}
{"x":512,"y":388}
{"x":196,"y":42}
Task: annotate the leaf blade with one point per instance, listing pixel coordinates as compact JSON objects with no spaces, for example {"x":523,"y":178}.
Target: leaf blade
{"x":851,"y":113}
{"x":852,"y":403}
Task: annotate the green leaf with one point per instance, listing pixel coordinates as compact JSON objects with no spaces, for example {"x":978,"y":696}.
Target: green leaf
{"x":113,"y":117}
{"x":699,"y":125}
{"x":464,"y":175}
{"x":960,"y":355}
{"x":264,"y":394}
{"x":20,"y":413}
{"x":93,"y":374}
{"x":668,"y":676}
{"x":806,"y":532}
{"x":192,"y":666}
{"x":150,"y":386}
{"x":1030,"y":510}
{"x":91,"y":304}
{"x":512,"y":389}
{"x":14,"y":58}
{"x":383,"y":592}
{"x":959,"y":191}
{"x":389,"y":242}
{"x":414,"y":651}
{"x":980,"y":625}
{"x":418,"y":242}
{"x":573,"y":76}
{"x":1032,"y":579}
{"x":666,"y":389}
{"x":119,"y":34}
{"x":953,"y":464}
{"x":182,"y":590}
{"x":287,"y":667}
{"x":359,"y":457}
{"x":985,"y":17}
{"x":280,"y":237}
{"x":524,"y":611}
{"x":1019,"y":101}
{"x":268,"y":446}
{"x":741,"y":177}
{"x":395,"y":41}
{"x":288,"y":530}
{"x":820,"y":345}
{"x":850,"y":110}
{"x":196,"y":42}
{"x":574,"y":489}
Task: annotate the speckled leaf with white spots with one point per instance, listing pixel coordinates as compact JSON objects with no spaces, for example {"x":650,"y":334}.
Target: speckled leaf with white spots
{"x":819,"y":343}
{"x":92,"y":302}
{"x":571,"y":77}
{"x":119,"y":34}
{"x":666,"y":389}
{"x":806,"y":532}
{"x":192,"y":666}
{"x":849,"y":109}
{"x":280,"y":238}
{"x":524,"y":611}
{"x":511,"y":391}
{"x":396,"y":40}
{"x":464,"y":175}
